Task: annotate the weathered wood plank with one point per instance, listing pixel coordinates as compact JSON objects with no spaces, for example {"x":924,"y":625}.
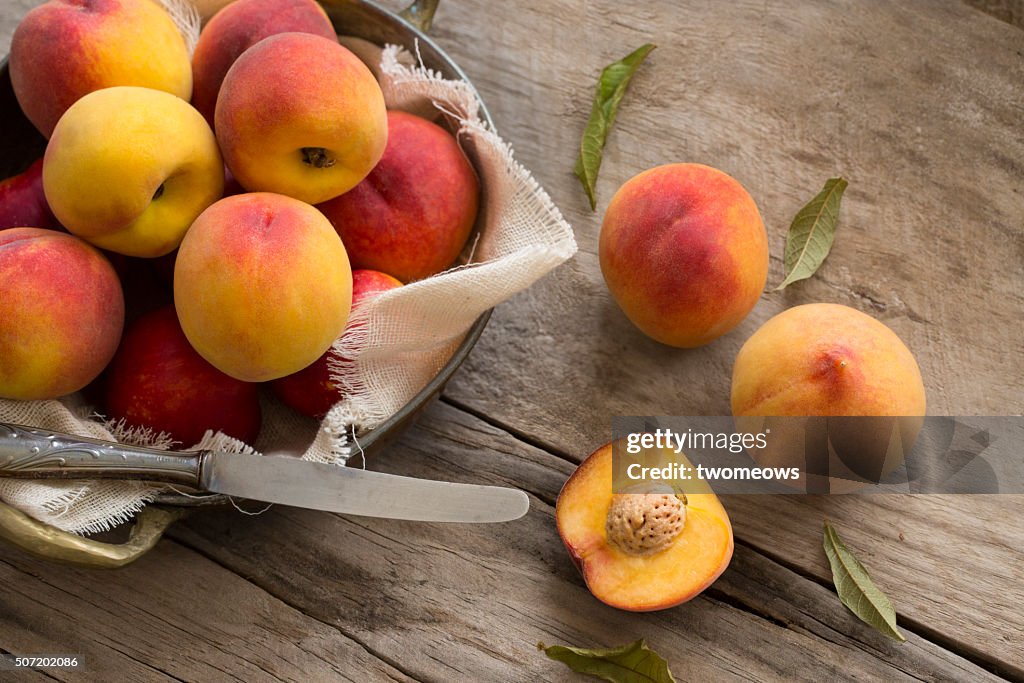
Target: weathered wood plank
{"x":1010,"y":11}
{"x":914,"y":103}
{"x":923,"y":245}
{"x":171,"y":616}
{"x":782,"y":96}
{"x":952,"y":563}
{"x":470,"y":602}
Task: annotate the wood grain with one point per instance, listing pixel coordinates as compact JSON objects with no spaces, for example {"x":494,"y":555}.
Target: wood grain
{"x":171,"y":616}
{"x":1010,"y":11}
{"x":465,"y":602}
{"x":919,"y":105}
{"x":783,"y":96}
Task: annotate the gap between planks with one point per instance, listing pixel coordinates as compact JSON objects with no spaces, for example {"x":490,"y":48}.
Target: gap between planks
{"x":114,"y":644}
{"x":179,"y":541}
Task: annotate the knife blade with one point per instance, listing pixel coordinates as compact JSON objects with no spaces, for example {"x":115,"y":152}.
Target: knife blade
{"x":290,"y":481}
{"x":31,"y":453}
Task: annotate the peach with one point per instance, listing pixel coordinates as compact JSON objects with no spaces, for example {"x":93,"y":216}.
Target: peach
{"x":684,"y":252}
{"x":239,"y":26}
{"x":129,"y":169}
{"x":412,"y":215}
{"x":23,"y":202}
{"x":262,"y":286}
{"x":61,"y":313}
{"x":642,"y":551}
{"x":157,"y":380}
{"x":300,"y":115}
{"x":829,"y":360}
{"x":65,"y":49}
{"x":311,"y":391}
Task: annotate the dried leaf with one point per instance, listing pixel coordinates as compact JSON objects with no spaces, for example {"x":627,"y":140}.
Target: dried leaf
{"x":811,"y":233}
{"x":633,"y":663}
{"x":610,"y":89}
{"x":855,"y":588}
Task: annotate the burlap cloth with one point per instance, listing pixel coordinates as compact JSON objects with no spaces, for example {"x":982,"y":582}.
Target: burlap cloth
{"x":398,"y":341}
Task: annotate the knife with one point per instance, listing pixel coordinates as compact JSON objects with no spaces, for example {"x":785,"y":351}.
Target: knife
{"x":30,"y":453}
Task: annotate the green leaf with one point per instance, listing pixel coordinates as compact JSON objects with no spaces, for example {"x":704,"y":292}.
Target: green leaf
{"x":633,"y":663}
{"x":811,"y":233}
{"x":610,"y":89}
{"x":856,"y":590}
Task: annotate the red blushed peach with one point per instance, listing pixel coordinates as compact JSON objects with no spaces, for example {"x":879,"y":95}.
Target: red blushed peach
{"x":830,"y":360}
{"x":157,"y":380}
{"x":412,"y":215}
{"x":826,"y":359}
{"x":23,"y":202}
{"x":642,"y":551}
{"x":239,"y":26}
{"x":684,"y":253}
{"x":302,"y":116}
{"x":311,"y":391}
{"x":61,"y":313}
{"x":262,"y":286}
{"x":65,"y":49}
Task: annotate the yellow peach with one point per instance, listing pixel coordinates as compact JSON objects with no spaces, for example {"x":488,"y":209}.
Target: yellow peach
{"x":129,"y":169}
{"x":262,"y":286}
{"x":642,"y":551}
{"x":829,"y":361}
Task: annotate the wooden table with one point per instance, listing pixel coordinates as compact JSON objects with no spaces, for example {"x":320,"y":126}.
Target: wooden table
{"x":921,"y":106}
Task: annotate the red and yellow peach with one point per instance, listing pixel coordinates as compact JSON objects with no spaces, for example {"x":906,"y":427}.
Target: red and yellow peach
{"x":262,"y":286}
{"x":412,"y":215}
{"x":684,"y":252}
{"x":61,"y":313}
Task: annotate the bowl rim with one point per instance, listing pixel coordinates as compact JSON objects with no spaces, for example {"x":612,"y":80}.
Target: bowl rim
{"x":434,"y":387}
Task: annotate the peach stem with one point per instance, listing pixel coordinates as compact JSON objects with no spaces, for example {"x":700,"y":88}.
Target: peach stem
{"x":317,"y":157}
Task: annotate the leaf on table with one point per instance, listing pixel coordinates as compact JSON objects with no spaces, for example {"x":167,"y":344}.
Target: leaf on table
{"x":855,"y":588}
{"x":633,"y":663}
{"x":811,"y":233}
{"x":610,"y":89}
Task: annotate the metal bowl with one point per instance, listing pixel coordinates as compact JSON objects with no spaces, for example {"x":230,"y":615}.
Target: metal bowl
{"x":21,"y":144}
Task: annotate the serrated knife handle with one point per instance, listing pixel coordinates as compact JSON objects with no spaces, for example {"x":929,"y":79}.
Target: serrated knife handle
{"x":30,"y":453}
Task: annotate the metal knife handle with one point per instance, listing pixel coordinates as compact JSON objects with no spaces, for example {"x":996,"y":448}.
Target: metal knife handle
{"x":29,"y":453}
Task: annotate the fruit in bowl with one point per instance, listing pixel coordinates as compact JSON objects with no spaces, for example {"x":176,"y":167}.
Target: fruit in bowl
{"x":262,"y":285}
{"x":311,"y":391}
{"x":157,"y":380}
{"x":129,"y":169}
{"x":413,"y":213}
{"x":239,"y":26}
{"x":23,"y":202}
{"x":61,"y":313}
{"x":300,"y":115}
{"x":65,"y":49}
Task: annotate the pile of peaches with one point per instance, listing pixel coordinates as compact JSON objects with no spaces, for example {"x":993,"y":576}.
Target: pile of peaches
{"x":200,"y":225}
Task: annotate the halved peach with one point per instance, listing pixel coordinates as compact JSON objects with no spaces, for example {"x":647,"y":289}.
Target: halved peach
{"x":642,"y":551}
